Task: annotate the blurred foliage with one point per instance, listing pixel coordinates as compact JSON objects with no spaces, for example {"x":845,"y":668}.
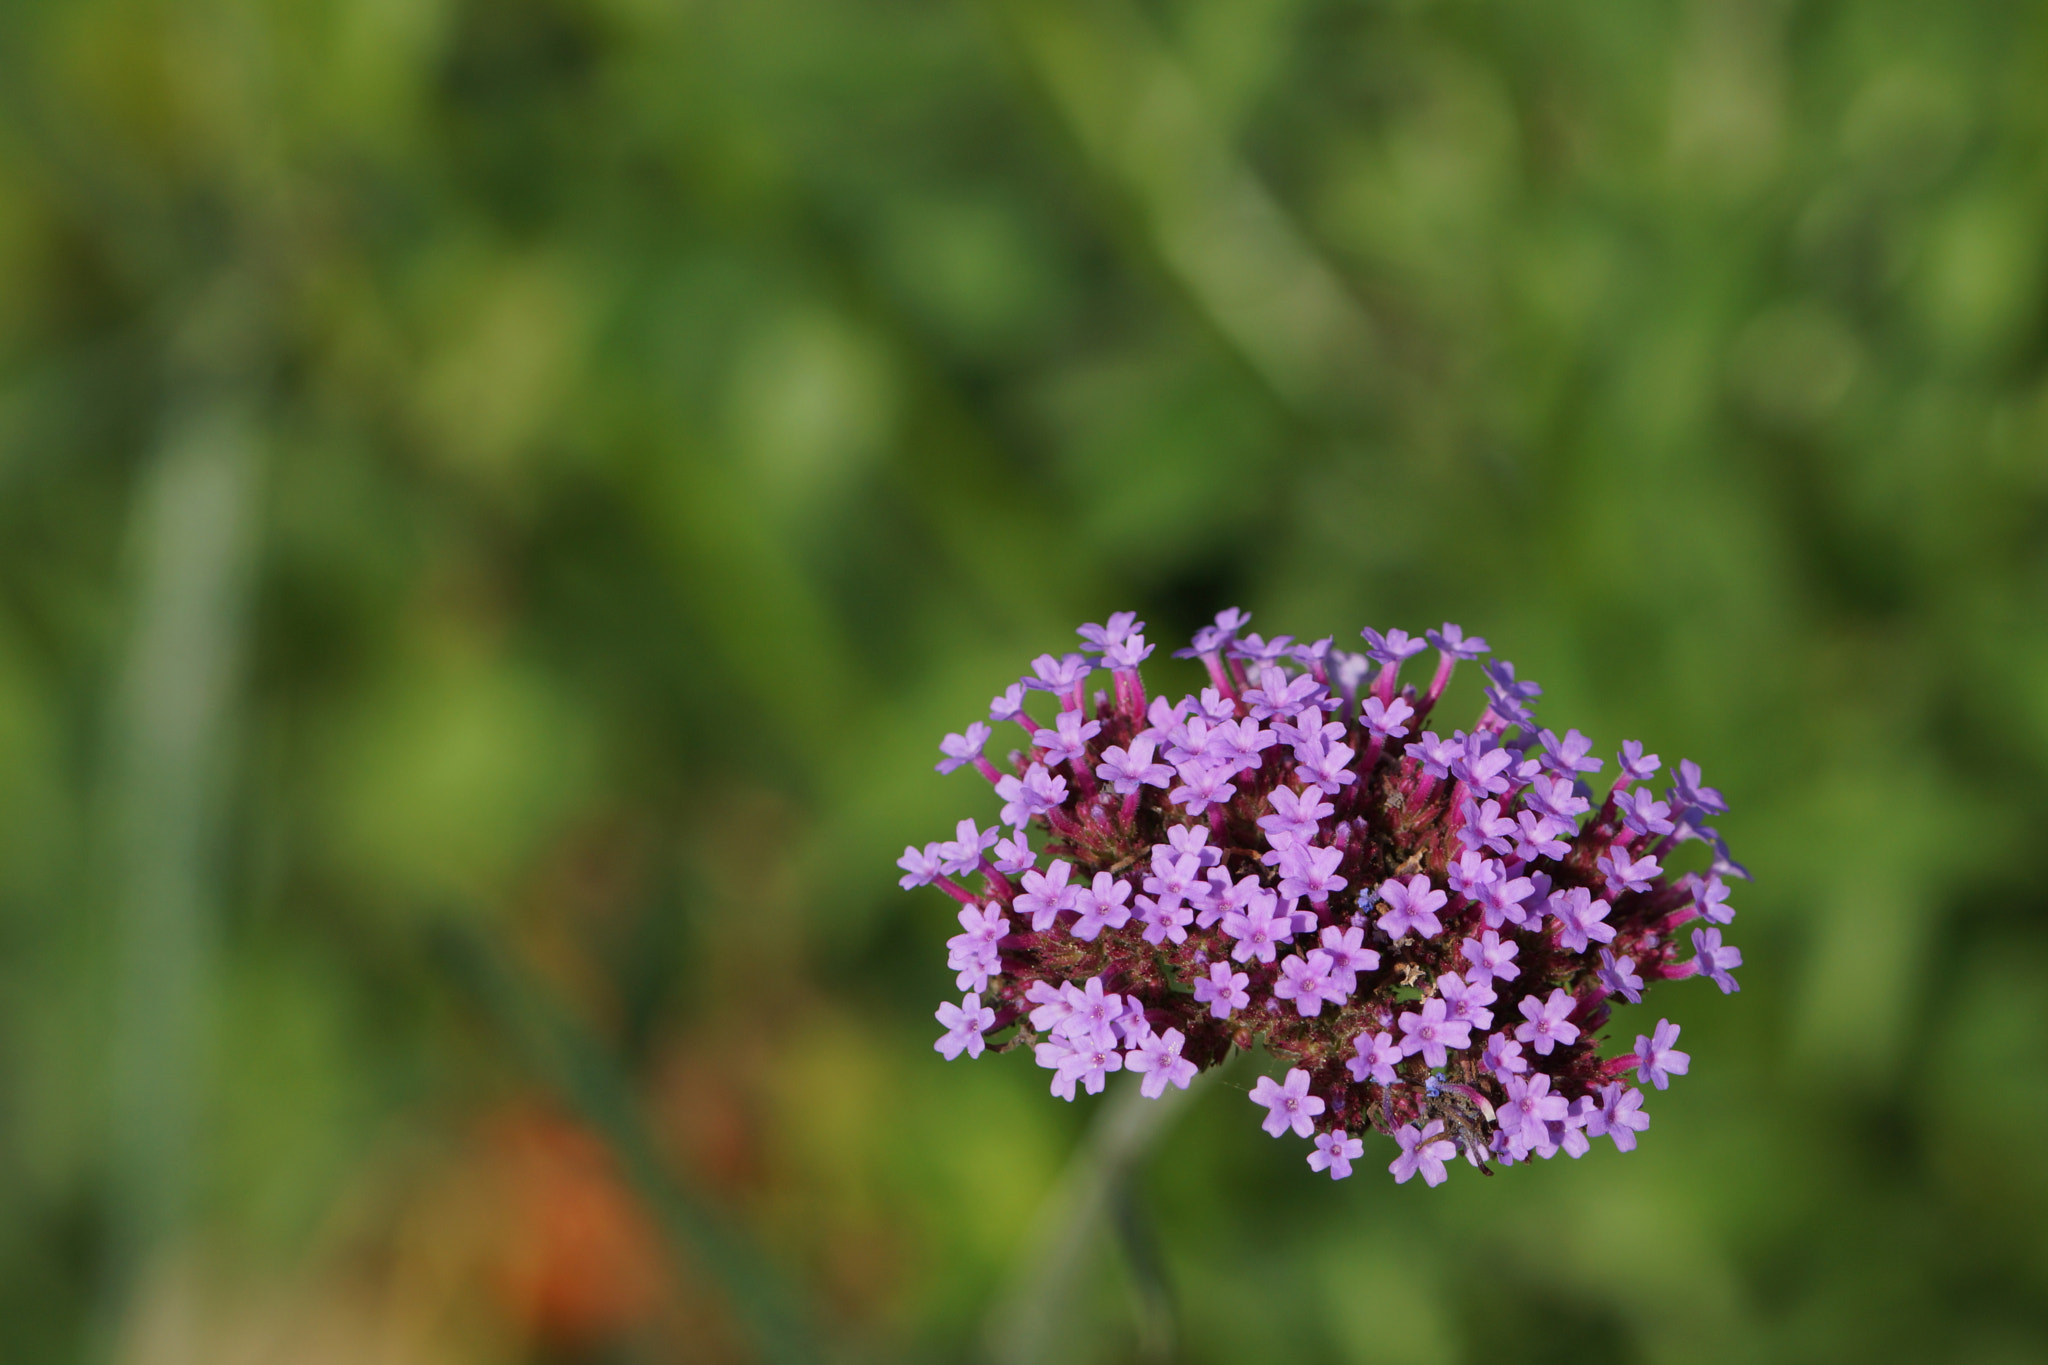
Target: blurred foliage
{"x":658,"y":422}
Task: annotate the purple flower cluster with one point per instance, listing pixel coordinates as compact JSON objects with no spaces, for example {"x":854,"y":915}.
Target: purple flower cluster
{"x":1426,"y":931}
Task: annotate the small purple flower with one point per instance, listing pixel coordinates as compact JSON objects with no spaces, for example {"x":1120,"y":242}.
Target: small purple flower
{"x":1635,"y":765}
{"x":1174,"y":874}
{"x":1279,"y":695}
{"x":1227,"y":897}
{"x":1052,"y":1054}
{"x":1501,"y":674}
{"x":1657,"y":1057}
{"x":1504,"y":900}
{"x":1466,"y":1002}
{"x":1539,"y":836}
{"x":1306,"y":870}
{"x":1164,"y":918}
{"x":1334,"y":1153}
{"x":1122,"y":625}
{"x":965,"y":1023}
{"x":1314,"y":652}
{"x":1157,"y":1057}
{"x":1222,"y":990}
{"x":1686,"y":790}
{"x":1547,"y":1024}
{"x":1385,"y":719}
{"x":985,"y":924}
{"x":1295,"y":814}
{"x":1624,"y":874}
{"x":1530,"y":1104}
{"x":1483,"y":770}
{"x":1393,"y":647}
{"x":1201,"y":787}
{"x":1508,"y":708}
{"x":1486,"y":827}
{"x":1258,"y":928}
{"x":1431,"y":1030}
{"x":1163,"y":715}
{"x":1581,"y":920}
{"x":1236,"y":745}
{"x":1009,"y":705}
{"x":1472,"y":873}
{"x":1126,"y":769}
{"x":920,"y":866}
{"x":1569,"y":755}
{"x":1305,"y":981}
{"x":1055,"y":1005}
{"x":1710,"y":898}
{"x":1643,"y":813}
{"x":1503,"y":1056}
{"x":1453,"y":642}
{"x":1092,"y":1013}
{"x":1715,"y":960}
{"x":973,"y":960}
{"x":1570,"y":1134}
{"x":963,"y":854}
{"x":1619,"y":1115}
{"x":1212,"y":639}
{"x":1046,"y":894}
{"x":1348,"y":955}
{"x":1557,"y":796}
{"x":1490,"y":958}
{"x":1326,"y":979}
{"x":1289,"y":1105}
{"x":1618,"y":975}
{"x":1066,"y":739}
{"x":1307,"y":727}
{"x":1377,"y":1054}
{"x":1060,"y":676}
{"x":1102,"y":906}
{"x":959,"y":749}
{"x":1324,"y":765}
{"x":1193,"y":839}
{"x":1014,"y":855}
{"x":1437,"y":755}
{"x":1124,"y":656}
{"x":1032,"y":795}
{"x":1084,"y":1062}
{"x":1411,"y":906}
{"x":1422,"y":1151}
{"x":1259,"y":650}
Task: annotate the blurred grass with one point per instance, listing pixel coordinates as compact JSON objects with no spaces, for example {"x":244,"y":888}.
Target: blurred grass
{"x":672,"y":418}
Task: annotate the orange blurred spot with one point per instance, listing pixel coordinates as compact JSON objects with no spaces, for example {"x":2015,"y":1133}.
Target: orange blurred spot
{"x":579,"y":1262}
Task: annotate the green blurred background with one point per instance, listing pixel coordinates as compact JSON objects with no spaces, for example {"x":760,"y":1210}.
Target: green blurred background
{"x":499,"y":499}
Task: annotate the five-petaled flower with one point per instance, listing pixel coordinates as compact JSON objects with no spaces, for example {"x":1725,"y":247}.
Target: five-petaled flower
{"x":1335,"y":1151}
{"x":1658,"y":1058}
{"x":1424,"y":1151}
{"x":1289,"y":1105}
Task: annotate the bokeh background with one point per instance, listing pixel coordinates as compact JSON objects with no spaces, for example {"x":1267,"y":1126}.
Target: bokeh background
{"x":499,"y":499}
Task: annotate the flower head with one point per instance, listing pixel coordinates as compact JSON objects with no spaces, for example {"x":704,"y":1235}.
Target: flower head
{"x":1290,"y":860}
